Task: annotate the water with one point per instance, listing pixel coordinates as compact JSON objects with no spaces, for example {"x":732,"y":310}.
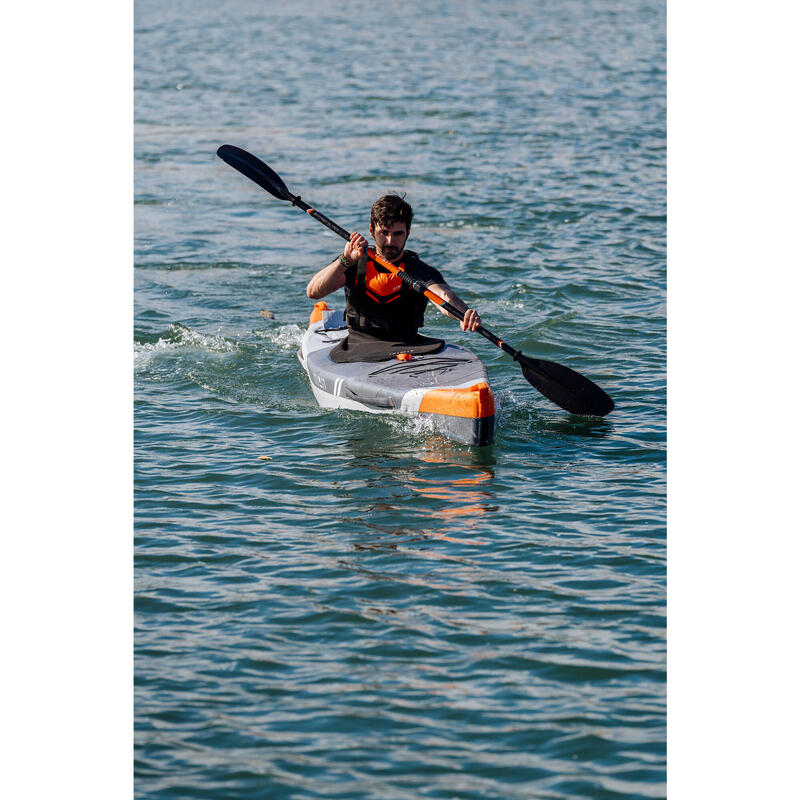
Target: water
{"x":329,"y":604}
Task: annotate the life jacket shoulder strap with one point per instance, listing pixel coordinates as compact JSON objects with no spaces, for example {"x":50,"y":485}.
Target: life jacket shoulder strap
{"x":361,"y":270}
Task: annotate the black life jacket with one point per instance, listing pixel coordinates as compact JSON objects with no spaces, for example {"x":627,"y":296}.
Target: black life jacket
{"x":382,"y":305}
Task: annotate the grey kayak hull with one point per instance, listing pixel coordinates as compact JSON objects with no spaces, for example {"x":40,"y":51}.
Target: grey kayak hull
{"x":450,"y":387}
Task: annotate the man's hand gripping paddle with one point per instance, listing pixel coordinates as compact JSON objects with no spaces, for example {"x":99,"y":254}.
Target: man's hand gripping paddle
{"x":566,"y":388}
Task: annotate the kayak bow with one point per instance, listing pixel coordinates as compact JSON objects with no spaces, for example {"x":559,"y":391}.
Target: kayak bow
{"x":449,"y":387}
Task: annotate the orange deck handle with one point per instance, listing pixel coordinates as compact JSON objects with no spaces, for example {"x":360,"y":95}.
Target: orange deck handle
{"x":316,"y":314}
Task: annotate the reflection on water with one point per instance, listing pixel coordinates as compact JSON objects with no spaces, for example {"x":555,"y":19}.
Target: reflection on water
{"x":466,"y":497}
{"x":529,"y":413}
{"x":448,"y":486}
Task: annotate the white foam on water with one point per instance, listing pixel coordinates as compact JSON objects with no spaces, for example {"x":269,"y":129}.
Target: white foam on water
{"x":286,"y":337}
{"x":177,"y":340}
{"x":413,"y":425}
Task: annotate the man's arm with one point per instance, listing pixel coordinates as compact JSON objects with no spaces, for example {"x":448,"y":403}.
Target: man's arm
{"x":471,"y":317}
{"x":327,"y":280}
{"x":331,"y":278}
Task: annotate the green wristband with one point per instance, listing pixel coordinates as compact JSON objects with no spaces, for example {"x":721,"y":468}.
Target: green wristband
{"x":345,"y":263}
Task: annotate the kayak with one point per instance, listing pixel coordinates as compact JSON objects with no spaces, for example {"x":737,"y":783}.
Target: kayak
{"x":450,"y":387}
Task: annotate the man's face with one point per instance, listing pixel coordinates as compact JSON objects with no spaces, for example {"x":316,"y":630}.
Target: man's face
{"x":390,"y":242}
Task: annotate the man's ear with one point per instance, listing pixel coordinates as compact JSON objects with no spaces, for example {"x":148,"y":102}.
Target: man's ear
{"x":370,"y":230}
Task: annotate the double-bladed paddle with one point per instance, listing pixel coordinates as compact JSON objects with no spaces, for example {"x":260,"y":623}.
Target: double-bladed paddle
{"x":566,"y":388}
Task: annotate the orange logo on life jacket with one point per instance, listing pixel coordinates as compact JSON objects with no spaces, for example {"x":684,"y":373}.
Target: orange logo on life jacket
{"x":382,"y":285}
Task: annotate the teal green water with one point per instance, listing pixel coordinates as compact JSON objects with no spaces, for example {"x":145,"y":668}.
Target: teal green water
{"x":330,"y":604}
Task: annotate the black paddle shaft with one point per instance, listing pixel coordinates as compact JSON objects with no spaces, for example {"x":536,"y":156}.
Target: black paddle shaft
{"x":565,"y":387}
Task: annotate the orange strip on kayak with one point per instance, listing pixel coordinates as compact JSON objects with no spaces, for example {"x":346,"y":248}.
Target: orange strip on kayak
{"x":475,"y":402}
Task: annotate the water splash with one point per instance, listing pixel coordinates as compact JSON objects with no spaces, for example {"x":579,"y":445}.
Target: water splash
{"x":180,"y":340}
{"x":286,"y":337}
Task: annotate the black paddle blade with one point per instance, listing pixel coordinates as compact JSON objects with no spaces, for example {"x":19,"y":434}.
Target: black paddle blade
{"x":255,"y":169}
{"x":566,"y":388}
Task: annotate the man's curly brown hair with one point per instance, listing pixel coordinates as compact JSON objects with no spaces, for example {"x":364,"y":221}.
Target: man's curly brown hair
{"x":389,"y":209}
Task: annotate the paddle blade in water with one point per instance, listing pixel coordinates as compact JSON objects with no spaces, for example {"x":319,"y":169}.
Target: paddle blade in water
{"x":255,"y":169}
{"x":565,"y":387}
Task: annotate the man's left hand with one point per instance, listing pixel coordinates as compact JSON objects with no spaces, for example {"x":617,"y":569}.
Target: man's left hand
{"x":471,"y":321}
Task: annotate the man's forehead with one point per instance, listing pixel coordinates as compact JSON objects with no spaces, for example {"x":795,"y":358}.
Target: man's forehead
{"x":393,"y":226}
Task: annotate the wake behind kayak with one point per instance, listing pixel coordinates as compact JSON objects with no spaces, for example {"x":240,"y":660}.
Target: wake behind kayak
{"x":450,"y":387}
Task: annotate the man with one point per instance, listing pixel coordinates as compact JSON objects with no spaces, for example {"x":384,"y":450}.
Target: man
{"x":379,"y":305}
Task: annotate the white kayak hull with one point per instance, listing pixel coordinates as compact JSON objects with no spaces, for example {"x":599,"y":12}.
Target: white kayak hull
{"x":450,"y":387}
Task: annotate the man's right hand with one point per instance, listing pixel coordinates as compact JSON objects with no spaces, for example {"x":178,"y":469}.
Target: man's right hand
{"x":356,"y":247}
